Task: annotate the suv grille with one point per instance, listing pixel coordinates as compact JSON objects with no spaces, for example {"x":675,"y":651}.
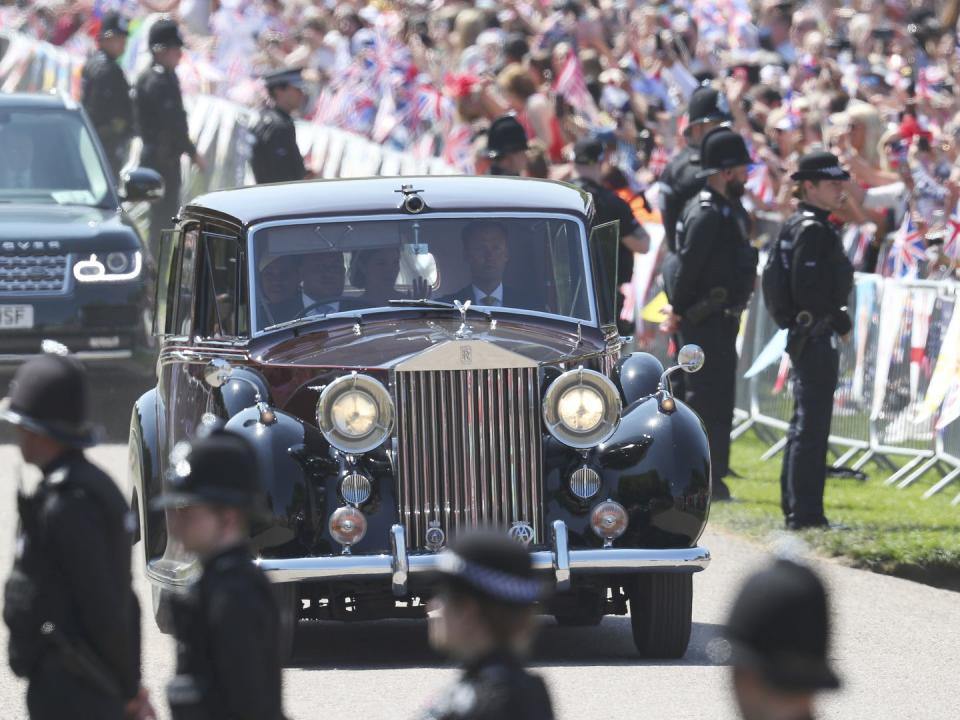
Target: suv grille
{"x":33,"y":273}
{"x":470,"y":450}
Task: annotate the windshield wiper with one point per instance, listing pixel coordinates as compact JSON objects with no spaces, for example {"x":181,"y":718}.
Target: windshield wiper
{"x":425,"y":302}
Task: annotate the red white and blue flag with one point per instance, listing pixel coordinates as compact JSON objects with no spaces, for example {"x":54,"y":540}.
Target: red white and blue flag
{"x":907,"y":252}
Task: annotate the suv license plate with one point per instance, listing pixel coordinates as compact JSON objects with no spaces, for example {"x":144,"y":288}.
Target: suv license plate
{"x":16,"y":316}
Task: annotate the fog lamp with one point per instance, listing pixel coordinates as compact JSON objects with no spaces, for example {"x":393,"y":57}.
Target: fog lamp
{"x":348,"y":526}
{"x":585,"y":483}
{"x":609,"y":521}
{"x":356,"y":488}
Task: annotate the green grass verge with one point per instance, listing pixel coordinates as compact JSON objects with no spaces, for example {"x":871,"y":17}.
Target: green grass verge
{"x":889,"y":530}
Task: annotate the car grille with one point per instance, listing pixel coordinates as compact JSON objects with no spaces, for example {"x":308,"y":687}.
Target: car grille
{"x":45,"y":273}
{"x":469,"y":446}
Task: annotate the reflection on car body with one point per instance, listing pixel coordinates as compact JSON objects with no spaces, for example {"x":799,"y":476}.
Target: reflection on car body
{"x":406,"y":370}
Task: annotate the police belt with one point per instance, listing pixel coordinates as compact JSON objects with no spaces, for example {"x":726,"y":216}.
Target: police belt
{"x":806,"y":324}
{"x":715,"y":302}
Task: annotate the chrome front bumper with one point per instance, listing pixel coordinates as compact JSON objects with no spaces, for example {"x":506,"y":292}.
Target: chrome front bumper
{"x":559,"y":560}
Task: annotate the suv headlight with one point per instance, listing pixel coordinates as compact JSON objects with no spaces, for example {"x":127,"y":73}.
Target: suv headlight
{"x":114,"y":266}
{"x":581,"y":408}
{"x":355,"y":413}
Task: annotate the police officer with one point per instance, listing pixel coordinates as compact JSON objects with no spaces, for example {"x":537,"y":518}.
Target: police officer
{"x":73,"y":617}
{"x":588,"y":175}
{"x":712,"y":281}
{"x":228,"y":625}
{"x":276,"y":157}
{"x":163,"y":123}
{"x":507,"y":146}
{"x":105,"y":91}
{"x":779,"y":633}
{"x":482,"y":616}
{"x":680,"y":179}
{"x":821,"y":278}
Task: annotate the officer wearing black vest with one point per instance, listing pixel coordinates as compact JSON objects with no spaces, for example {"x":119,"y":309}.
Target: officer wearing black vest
{"x":69,"y":604}
{"x":276,"y":156}
{"x":680,"y":179}
{"x":507,"y":146}
{"x":105,"y":92}
{"x":821,"y":278}
{"x":482,"y":616}
{"x":228,"y":626}
{"x":711,"y":283}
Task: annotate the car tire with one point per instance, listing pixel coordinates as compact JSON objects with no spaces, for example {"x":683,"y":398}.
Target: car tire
{"x":661,"y":613}
{"x":162,"y":610}
{"x":288,"y":602}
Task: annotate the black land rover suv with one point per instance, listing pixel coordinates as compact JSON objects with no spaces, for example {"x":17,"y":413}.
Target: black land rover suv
{"x":72,"y":266}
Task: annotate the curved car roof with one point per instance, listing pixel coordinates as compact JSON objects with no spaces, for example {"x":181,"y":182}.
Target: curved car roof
{"x":360,"y":196}
{"x":45,"y":101}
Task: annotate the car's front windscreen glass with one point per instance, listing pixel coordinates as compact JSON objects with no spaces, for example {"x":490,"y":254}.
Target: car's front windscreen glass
{"x":49,"y":157}
{"x":519,"y":263}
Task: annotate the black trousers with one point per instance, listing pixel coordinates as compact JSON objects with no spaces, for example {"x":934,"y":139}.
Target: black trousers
{"x":804,"y":471}
{"x":55,"y":693}
{"x":711,"y":391}
{"x":162,"y":211}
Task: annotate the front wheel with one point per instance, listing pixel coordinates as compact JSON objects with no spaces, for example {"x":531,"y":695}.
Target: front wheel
{"x":661,"y":614}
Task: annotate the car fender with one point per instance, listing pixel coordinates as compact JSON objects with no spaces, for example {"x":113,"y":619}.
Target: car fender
{"x":144,"y":472}
{"x":244,"y":388}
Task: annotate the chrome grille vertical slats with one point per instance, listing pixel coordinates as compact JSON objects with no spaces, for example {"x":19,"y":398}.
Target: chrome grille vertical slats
{"x":493,"y":479}
{"x":432,"y":451}
{"x":533,"y":417}
{"x":508,"y":513}
{"x":416,"y":444}
{"x":513,"y":385}
{"x":444,"y":453}
{"x":482,"y":424}
{"x":470,"y":476}
{"x":456,"y":440}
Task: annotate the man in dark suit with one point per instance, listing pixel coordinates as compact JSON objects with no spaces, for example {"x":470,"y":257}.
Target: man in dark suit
{"x":322,"y":277}
{"x":486,"y":253}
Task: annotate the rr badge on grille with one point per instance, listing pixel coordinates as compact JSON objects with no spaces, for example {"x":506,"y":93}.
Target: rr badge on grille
{"x":435,"y":536}
{"x":522,"y":532}
{"x":466,"y":355}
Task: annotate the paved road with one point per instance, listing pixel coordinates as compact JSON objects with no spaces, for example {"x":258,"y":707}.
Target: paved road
{"x":898,"y":649}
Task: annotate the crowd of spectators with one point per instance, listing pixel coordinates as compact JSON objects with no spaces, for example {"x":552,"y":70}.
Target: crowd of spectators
{"x":873,"y":80}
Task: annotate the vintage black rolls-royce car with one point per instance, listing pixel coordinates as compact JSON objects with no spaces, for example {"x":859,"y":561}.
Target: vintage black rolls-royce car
{"x":412,"y":358}
{"x":72,"y":265}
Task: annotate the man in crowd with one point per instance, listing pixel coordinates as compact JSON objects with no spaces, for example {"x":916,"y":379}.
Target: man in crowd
{"x":482,"y":617}
{"x":507,"y":146}
{"x":228,"y":626}
{"x":779,"y":630}
{"x":163,"y":123}
{"x":105,"y":91}
{"x":588,"y":169}
{"x":276,"y":157}
{"x":819,"y":277}
{"x":69,"y":604}
{"x":712,"y":281}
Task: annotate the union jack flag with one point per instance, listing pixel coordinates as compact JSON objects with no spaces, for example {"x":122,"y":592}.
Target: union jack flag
{"x":907,"y":252}
{"x":758,"y":183}
{"x":571,"y":85}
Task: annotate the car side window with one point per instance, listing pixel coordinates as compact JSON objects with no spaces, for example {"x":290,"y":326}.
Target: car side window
{"x":183,"y":317}
{"x":224,"y":308}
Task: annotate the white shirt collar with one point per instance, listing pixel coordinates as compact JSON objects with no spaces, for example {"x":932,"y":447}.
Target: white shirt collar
{"x":479,"y":295}
{"x":308,"y":301}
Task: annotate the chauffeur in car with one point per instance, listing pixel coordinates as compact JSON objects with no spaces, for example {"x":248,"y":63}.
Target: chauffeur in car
{"x":413,"y":358}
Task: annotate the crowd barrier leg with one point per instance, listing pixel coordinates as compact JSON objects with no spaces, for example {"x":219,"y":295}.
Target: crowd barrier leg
{"x":946,"y":480}
{"x":935,"y":462}
{"x":775,"y":449}
{"x":845,"y":457}
{"x":906,"y":469}
{"x":864,"y":459}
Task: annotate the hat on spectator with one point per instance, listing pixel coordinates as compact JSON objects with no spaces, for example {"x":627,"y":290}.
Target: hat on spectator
{"x":820,"y":165}
{"x":707,"y":104}
{"x":165,"y":33}
{"x":722,"y":149}
{"x":505,"y":136}
{"x":588,"y":151}
{"x":113,"y":23}
{"x":780,"y":627}
{"x":283,"y":78}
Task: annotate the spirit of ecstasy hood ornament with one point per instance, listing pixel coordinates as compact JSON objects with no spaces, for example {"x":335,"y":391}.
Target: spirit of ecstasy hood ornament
{"x":463,"y":307}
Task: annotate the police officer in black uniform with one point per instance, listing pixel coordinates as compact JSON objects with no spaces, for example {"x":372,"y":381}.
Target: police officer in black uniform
{"x":588,"y":174}
{"x":680,"y":179}
{"x":105,"y":92}
{"x":821,"y":278}
{"x":73,"y":617}
{"x":507,"y":146}
{"x":779,"y":634}
{"x":163,"y":123}
{"x":228,"y":625}
{"x":712,"y":281}
{"x":276,"y":157}
{"x":482,"y":616}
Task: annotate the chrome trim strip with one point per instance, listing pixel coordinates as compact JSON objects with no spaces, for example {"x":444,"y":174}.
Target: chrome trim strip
{"x":80,"y":355}
{"x":400,"y":566}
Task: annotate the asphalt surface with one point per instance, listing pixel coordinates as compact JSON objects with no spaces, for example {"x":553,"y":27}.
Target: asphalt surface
{"x":897,"y":647}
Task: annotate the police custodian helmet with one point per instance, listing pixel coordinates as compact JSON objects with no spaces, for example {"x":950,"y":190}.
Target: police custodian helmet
{"x":48,"y":395}
{"x":707,"y":104}
{"x":505,"y":136}
{"x":165,"y":33}
{"x":217,"y":468}
{"x":722,"y":149}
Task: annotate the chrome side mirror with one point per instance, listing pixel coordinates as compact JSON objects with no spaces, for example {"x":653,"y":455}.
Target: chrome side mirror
{"x":691,"y":358}
{"x":217,"y":372}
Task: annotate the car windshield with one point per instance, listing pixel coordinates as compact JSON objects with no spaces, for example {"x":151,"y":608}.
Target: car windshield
{"x":524,"y":263}
{"x":49,"y":157}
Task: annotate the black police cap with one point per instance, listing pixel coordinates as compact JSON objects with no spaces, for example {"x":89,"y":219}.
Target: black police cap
{"x":113,"y":23}
{"x":48,"y":395}
{"x":218,"y":468}
{"x":505,"y":136}
{"x":707,"y":104}
{"x":490,"y":565}
{"x":722,"y":149}
{"x":588,"y":151}
{"x":780,"y":627}
{"x":284,"y":77}
{"x":165,"y":33}
{"x":820,"y":165}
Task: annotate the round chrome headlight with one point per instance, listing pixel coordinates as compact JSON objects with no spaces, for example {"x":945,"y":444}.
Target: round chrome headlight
{"x":355,"y":413}
{"x":581,"y":408}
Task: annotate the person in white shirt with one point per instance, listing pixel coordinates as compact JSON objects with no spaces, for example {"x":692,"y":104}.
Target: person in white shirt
{"x":486,"y":253}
